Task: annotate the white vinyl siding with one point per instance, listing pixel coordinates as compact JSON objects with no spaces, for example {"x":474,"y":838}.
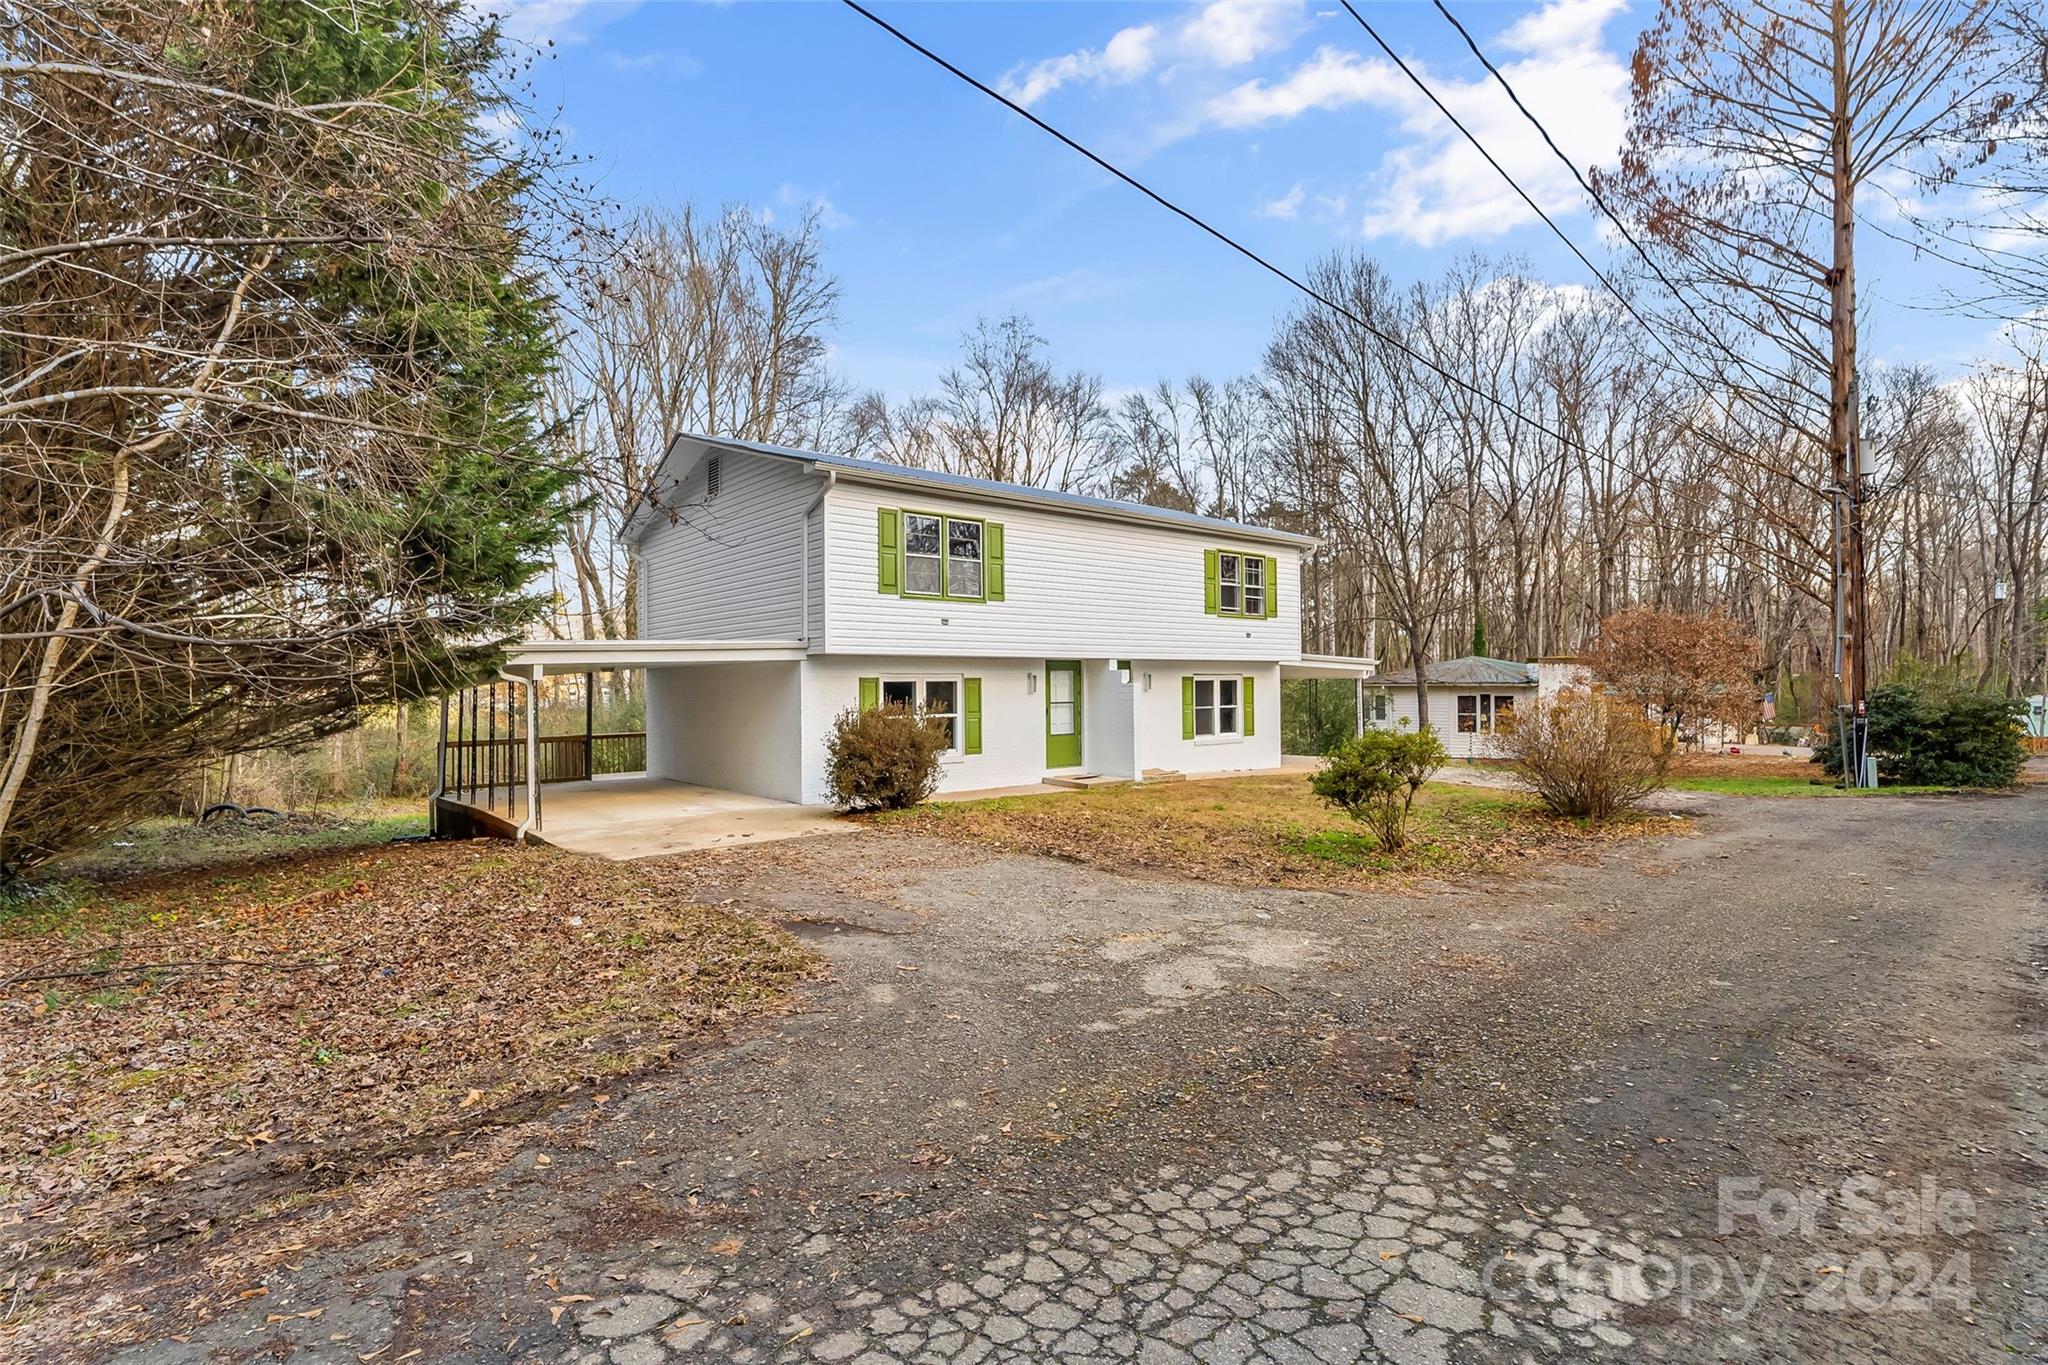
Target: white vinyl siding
{"x":1443,"y":714}
{"x":1075,"y":587}
{"x":729,"y":568}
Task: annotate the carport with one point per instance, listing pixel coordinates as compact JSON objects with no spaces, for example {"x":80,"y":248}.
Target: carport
{"x":619,"y":793}
{"x":1343,"y":667}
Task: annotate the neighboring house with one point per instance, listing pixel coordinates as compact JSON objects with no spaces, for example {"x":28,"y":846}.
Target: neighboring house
{"x":1059,"y":635}
{"x":1468,"y":697}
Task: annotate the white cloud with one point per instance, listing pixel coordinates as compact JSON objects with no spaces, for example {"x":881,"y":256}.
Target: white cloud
{"x":1331,"y":79}
{"x":654,"y":59}
{"x":829,"y":215}
{"x":1432,"y":185}
{"x":1221,"y":34}
{"x":1233,"y":32}
{"x":1287,"y":205}
{"x":1125,"y":57}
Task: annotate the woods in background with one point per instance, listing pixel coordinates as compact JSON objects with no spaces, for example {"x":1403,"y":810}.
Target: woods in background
{"x":1438,"y":508}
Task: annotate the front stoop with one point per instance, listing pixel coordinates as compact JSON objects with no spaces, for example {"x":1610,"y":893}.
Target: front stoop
{"x":1083,"y":781}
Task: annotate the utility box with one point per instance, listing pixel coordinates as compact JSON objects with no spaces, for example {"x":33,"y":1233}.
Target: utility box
{"x":1869,"y":774}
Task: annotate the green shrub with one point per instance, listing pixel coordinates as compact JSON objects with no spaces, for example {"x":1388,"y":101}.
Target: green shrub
{"x":1929,"y":733}
{"x":1585,"y":755}
{"x":1373,"y":778}
{"x":884,"y":758}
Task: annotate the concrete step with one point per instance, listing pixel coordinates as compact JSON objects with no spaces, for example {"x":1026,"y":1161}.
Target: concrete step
{"x":1083,"y":781}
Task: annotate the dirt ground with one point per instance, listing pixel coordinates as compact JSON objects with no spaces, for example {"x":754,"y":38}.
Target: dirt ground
{"x":1770,"y":1090}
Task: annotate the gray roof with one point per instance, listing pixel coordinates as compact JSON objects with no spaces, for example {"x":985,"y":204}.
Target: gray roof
{"x":1013,"y":492}
{"x":1472,"y":670}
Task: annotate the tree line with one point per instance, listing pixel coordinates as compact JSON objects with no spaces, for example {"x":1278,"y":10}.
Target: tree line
{"x":1482,"y":454}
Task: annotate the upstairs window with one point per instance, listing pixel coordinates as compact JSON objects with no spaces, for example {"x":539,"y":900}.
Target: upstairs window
{"x":924,"y":564}
{"x":963,"y":558}
{"x":1238,"y":584}
{"x":957,"y":558}
{"x":1254,"y":586}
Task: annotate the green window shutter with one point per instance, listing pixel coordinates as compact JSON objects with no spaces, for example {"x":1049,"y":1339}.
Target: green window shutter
{"x":970,"y":715}
{"x":889,"y":551}
{"x":870,"y":693}
{"x":992,"y":560}
{"x":1272,"y":591}
{"x":1209,"y":581}
{"x":1249,"y":710}
{"x":1187,"y":703}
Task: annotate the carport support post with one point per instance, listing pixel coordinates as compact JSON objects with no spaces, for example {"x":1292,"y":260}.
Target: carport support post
{"x":1358,"y":700}
{"x":533,"y":747}
{"x":589,"y":725}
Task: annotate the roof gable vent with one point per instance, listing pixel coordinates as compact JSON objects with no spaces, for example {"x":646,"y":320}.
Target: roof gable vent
{"x":712,"y":469}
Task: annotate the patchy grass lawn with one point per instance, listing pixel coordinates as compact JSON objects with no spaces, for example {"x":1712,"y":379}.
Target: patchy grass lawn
{"x":313,"y":1013}
{"x":170,"y":845}
{"x":1269,"y":830}
{"x":1766,"y":785}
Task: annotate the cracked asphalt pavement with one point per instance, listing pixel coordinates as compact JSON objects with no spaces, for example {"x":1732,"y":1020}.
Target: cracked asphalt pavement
{"x":1772,"y":1090}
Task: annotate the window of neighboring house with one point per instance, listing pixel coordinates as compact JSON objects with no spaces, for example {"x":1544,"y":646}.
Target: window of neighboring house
{"x":942,"y":556}
{"x":1376,"y":707}
{"x":1254,"y":585}
{"x":1229,"y":569}
{"x":938,"y":698}
{"x":1480,"y":714}
{"x":1216,"y":708}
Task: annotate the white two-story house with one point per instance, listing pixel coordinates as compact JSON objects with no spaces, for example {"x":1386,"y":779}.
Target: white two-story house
{"x":1059,"y":634}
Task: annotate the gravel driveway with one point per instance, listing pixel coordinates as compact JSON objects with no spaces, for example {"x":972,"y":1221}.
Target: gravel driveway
{"x":1770,"y":1091}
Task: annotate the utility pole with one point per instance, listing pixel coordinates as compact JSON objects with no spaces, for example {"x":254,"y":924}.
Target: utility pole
{"x":1845,"y":425}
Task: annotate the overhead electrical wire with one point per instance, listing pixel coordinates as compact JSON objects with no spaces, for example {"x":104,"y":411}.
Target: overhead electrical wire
{"x":1593,"y":194}
{"x":1385,"y":337}
{"x":1521,"y":193}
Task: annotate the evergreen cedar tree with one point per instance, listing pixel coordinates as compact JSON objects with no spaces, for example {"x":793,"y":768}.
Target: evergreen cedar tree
{"x":358,"y":507}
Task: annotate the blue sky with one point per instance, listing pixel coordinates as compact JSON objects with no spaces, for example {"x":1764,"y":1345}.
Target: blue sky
{"x":1277,"y":121}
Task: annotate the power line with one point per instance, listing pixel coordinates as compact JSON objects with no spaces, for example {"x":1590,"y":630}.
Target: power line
{"x":1584,"y":184}
{"x":900,"y":36}
{"x":1523,"y":194}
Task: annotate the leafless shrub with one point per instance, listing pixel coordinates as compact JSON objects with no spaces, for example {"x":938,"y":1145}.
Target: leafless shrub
{"x":1585,"y":755}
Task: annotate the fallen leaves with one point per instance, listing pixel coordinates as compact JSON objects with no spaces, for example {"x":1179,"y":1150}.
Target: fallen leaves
{"x":465,"y":979}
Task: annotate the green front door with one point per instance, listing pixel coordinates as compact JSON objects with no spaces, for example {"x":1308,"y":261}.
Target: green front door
{"x":1062,"y":714}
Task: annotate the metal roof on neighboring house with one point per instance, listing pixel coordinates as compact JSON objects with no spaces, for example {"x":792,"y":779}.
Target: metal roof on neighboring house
{"x":1472,"y":670}
{"x":886,"y":472}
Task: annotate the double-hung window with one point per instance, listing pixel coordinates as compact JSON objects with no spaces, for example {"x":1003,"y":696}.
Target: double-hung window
{"x":1238,"y":584}
{"x":942,"y":556}
{"x":1480,"y":713}
{"x":1217,"y":711}
{"x":1254,"y":585}
{"x":1376,"y":707}
{"x":933,"y":698}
